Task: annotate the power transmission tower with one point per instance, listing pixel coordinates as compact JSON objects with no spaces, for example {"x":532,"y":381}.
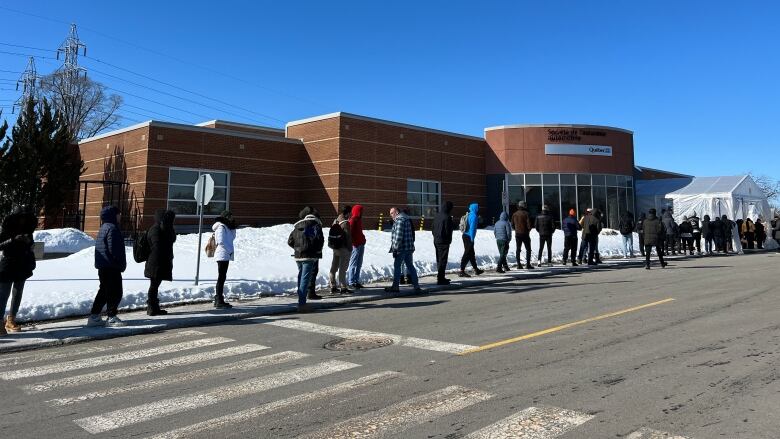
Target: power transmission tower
{"x":70,"y":70}
{"x":28,"y":82}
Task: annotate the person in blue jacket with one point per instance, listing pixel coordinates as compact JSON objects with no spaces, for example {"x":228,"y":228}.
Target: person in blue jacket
{"x":469,"y":235}
{"x":570,"y":227}
{"x":111,"y":262}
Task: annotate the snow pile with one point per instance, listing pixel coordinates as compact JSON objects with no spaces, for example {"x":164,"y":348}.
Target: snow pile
{"x":63,"y":240}
{"x":264,"y":265}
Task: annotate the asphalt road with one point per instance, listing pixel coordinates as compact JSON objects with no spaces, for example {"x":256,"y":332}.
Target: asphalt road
{"x":599,"y":354}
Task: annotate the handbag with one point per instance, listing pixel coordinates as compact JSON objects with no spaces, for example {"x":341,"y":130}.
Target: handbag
{"x":211,"y":247}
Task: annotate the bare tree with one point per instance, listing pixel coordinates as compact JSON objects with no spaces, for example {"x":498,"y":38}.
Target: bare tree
{"x":769,"y":186}
{"x":84,"y":104}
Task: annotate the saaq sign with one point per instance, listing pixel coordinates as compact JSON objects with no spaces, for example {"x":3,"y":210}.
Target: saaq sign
{"x":570,"y":149}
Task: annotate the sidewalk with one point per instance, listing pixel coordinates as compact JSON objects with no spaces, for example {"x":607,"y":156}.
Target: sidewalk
{"x":74,"y":330}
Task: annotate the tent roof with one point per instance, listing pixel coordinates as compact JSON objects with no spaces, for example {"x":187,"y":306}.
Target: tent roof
{"x":711,"y":185}
{"x":660,"y":187}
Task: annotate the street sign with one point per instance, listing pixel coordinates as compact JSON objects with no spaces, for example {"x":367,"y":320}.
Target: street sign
{"x":204,"y":189}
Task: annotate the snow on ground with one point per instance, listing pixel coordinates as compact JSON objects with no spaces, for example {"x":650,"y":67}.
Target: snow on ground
{"x":63,"y":240}
{"x":264,"y":265}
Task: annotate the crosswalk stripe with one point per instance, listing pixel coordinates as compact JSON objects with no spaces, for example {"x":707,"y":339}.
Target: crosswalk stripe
{"x":240,"y":366}
{"x":254,"y":412}
{"x":60,"y":352}
{"x":158,"y":409}
{"x":122,"y":372}
{"x":110,"y":359}
{"x":647,"y":433}
{"x":412,"y":342}
{"x":533,"y":423}
{"x":403,"y":415}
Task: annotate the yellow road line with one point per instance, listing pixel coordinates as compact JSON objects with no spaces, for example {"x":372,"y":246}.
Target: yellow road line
{"x":560,"y":328}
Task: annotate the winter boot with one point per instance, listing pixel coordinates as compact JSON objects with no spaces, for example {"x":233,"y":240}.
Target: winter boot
{"x":313,"y":296}
{"x":478,"y":271}
{"x":219,"y":302}
{"x":463,"y":273}
{"x":11,"y":326}
{"x":153,"y":308}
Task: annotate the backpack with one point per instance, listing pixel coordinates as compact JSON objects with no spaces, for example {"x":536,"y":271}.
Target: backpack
{"x":335,"y":236}
{"x":308,"y":240}
{"x":464,"y":223}
{"x":141,"y":248}
{"x":211,"y":247}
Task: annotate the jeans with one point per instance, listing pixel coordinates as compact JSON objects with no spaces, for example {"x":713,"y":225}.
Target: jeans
{"x":649,"y":250}
{"x":593,"y":242}
{"x":503,"y":249}
{"x":468,"y":254}
{"x":404,"y":258}
{"x":628,"y":245}
{"x":570,"y":247}
{"x":355,"y":264}
{"x":339,"y":264}
{"x":442,"y":253}
{"x":305,"y":272}
{"x":222,"y":268}
{"x":582,"y":254}
{"x":708,"y":244}
{"x":15,"y":290}
{"x":523,"y":239}
{"x":542,"y":241}
{"x":109,"y":293}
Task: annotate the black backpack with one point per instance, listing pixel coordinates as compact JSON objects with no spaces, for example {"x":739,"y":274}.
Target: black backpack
{"x":141,"y":248}
{"x":336,"y":236}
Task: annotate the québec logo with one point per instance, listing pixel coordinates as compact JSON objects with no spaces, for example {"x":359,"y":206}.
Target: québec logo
{"x":600,"y":150}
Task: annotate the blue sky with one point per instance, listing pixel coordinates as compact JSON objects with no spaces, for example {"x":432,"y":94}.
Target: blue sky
{"x":695,"y":80}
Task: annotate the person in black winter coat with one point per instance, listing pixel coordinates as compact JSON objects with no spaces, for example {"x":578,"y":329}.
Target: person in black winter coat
{"x":654,"y":233}
{"x":443,"y":226}
{"x":717,"y":233}
{"x":707,"y":232}
{"x":639,"y":230}
{"x":16,"y":263}
{"x":545,"y":226}
{"x":760,"y":234}
{"x":686,"y":234}
{"x":111,"y":262}
{"x":159,"y":265}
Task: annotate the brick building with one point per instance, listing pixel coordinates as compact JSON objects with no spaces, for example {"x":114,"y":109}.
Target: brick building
{"x":265,"y":175}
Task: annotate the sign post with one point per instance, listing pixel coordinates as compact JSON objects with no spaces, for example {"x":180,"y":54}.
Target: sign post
{"x":204,"y":191}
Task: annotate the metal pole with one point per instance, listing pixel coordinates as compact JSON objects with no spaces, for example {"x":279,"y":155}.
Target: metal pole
{"x":200,"y":226}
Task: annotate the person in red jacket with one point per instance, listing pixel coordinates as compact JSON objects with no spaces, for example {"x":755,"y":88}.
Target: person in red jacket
{"x":358,"y":246}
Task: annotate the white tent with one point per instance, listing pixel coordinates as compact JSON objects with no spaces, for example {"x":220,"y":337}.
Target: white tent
{"x":652,"y":194}
{"x":738,"y":197}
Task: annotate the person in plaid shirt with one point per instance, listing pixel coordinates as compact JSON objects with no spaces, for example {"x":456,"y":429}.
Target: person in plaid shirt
{"x":402,"y":248}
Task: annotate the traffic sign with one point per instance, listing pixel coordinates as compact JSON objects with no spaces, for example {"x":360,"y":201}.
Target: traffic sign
{"x":204,"y":189}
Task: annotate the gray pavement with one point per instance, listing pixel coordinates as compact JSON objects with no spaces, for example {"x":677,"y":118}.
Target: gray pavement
{"x":586,"y":354}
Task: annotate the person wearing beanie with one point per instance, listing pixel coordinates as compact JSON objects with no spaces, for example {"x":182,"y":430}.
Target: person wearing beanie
{"x":545,"y":226}
{"x":503,"y":233}
{"x":17,"y":262}
{"x":224,"y":237}
{"x":443,"y":226}
{"x":626,"y":228}
{"x":654,"y":231}
{"x":111,"y":262}
{"x":306,"y":239}
{"x":159,"y":264}
{"x":570,"y":227}
{"x":521,"y":222}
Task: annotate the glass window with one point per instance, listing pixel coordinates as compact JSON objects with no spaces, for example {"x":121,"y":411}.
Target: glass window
{"x":515,"y":179}
{"x":600,"y":199}
{"x":423,"y":197}
{"x":568,"y":179}
{"x":181,"y":192}
{"x":613,"y":211}
{"x":611,"y":180}
{"x":533,"y":196}
{"x":599,"y":180}
{"x":621,"y":180}
{"x":552,"y":199}
{"x":629,"y":181}
{"x":631,"y":207}
{"x":516,"y":194}
{"x":568,"y":200}
{"x":531,"y":179}
{"x":550,"y":179}
{"x":584,"y":200}
{"x":622,"y":201}
{"x":583,"y":179}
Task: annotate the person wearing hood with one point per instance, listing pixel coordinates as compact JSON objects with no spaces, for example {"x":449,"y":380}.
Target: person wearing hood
{"x":570,"y":227}
{"x":307,"y":240}
{"x":654,"y":231}
{"x":626,"y":228}
{"x":17,"y":262}
{"x":718,"y":234}
{"x":696,"y":224}
{"x":760,"y":234}
{"x":545,"y":226}
{"x":443,"y":226}
{"x":639,"y":230}
{"x":591,"y":227}
{"x":521,"y":222}
{"x":159,"y":264}
{"x":686,"y":235}
{"x":224,"y":229}
{"x":402,"y":249}
{"x":358,"y":247}
{"x":469,"y":236}
{"x":708,"y":234}
{"x":503,"y":233}
{"x":670,"y":231}
{"x":342,"y":251}
{"x":111,"y":262}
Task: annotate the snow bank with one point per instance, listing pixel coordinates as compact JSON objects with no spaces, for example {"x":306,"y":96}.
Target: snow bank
{"x":66,"y":287}
{"x":63,"y":240}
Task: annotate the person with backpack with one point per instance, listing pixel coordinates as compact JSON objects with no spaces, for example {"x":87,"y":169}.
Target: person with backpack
{"x":591,"y":227}
{"x":640,"y":232}
{"x":402,"y":249}
{"x":159,"y":262}
{"x":654,"y":231}
{"x":697,"y":233}
{"x":110,"y":262}
{"x":468,"y":227}
{"x":443,"y":226}
{"x":545,"y":226}
{"x":358,"y":247}
{"x":503,"y":233}
{"x":307,"y":240}
{"x":685,"y":229}
{"x":707,"y":231}
{"x":341,"y":243}
{"x":521,"y":222}
{"x":570,"y":227}
{"x":626,"y":228}
{"x":224,"y":229}
{"x":17,"y":263}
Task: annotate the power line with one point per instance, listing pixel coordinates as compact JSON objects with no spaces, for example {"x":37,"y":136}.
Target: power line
{"x":155,"y":112}
{"x":157,"y":102}
{"x":26,"y":54}
{"x":26,"y":47}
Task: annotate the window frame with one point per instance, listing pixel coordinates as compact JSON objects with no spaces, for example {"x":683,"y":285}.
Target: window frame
{"x":423,"y":195}
{"x":200,"y":172}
